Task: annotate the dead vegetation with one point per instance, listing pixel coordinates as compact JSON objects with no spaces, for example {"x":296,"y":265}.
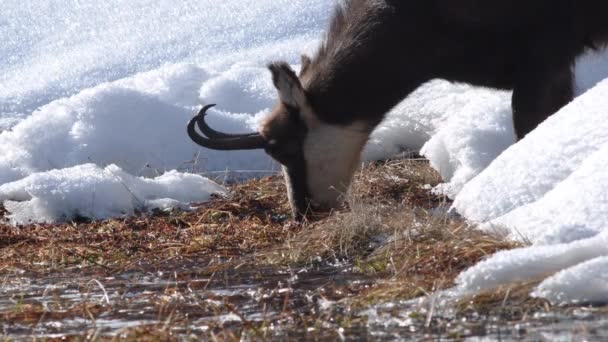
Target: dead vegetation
{"x":398,"y":231}
{"x":396,"y":235}
{"x":253,"y":218}
{"x":511,"y":302}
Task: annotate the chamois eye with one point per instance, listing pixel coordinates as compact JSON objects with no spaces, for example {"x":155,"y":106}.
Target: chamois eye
{"x":284,"y":150}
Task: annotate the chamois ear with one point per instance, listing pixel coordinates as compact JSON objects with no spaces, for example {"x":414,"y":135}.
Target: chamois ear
{"x":288,"y":85}
{"x":306,"y":61}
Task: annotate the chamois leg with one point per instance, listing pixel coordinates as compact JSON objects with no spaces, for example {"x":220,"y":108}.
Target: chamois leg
{"x":539,"y":94}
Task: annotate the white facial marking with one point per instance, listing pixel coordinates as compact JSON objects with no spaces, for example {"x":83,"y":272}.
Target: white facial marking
{"x":332,"y":155}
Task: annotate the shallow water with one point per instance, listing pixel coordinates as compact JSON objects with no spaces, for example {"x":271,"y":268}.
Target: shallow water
{"x":410,"y":320}
{"x":186,"y":300}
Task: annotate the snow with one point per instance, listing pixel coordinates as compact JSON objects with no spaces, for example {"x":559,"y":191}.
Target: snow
{"x":586,"y":282}
{"x":482,"y":119}
{"x":94,"y":97}
{"x":427,"y":113}
{"x":549,"y":190}
{"x":531,"y":263}
{"x":137,"y":123}
{"x":93,"y":192}
{"x":544,"y":158}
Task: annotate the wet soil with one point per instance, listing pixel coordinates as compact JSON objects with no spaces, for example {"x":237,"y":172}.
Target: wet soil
{"x":181,"y":300}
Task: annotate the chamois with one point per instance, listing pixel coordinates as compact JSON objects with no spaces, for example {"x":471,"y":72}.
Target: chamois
{"x":376,"y":52}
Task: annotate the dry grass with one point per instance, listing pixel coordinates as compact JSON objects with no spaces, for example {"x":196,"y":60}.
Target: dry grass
{"x":379,"y":192}
{"x":253,"y":218}
{"x":396,"y":230}
{"x":427,"y":256}
{"x":511,"y":302}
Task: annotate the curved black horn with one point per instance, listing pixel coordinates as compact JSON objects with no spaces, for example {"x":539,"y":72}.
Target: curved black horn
{"x":239,"y":142}
{"x":210,"y":132}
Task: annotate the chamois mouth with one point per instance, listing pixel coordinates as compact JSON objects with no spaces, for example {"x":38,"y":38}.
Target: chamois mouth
{"x":303,"y":207}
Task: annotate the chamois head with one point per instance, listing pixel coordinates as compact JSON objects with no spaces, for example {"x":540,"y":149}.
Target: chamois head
{"x":318,"y":158}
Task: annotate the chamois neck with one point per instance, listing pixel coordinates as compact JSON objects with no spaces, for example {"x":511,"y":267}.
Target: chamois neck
{"x":362,"y":91}
{"x":359,"y":73}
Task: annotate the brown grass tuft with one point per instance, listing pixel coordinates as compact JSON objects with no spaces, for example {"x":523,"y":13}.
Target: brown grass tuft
{"x":397,"y":230}
{"x":511,"y":302}
{"x":254,"y":217}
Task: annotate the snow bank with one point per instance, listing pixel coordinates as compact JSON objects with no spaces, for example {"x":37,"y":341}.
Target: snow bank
{"x":92,"y":192}
{"x":55,"y":49}
{"x":137,"y":123}
{"x":429,"y":112}
{"x":482,"y":120}
{"x":575,"y":208}
{"x":544,"y":158}
{"x":550,"y":190}
{"x":476,"y":126}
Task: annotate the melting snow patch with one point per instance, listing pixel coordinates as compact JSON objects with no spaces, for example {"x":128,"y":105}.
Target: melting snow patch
{"x":584,"y":283}
{"x":93,"y":192}
{"x":530,"y":263}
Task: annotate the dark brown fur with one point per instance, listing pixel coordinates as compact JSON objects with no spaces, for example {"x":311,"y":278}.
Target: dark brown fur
{"x":377,"y":52}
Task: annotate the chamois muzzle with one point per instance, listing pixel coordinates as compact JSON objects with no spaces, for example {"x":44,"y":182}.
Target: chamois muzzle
{"x":216,"y":140}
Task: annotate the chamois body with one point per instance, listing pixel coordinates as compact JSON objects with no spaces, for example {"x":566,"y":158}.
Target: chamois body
{"x":377,"y":52}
